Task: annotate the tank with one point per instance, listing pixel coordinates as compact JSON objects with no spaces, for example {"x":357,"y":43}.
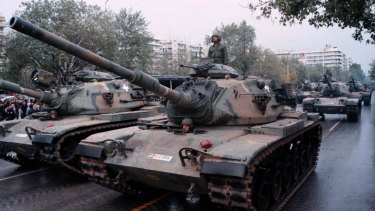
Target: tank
{"x":307,"y":90}
{"x":70,"y":115}
{"x":361,"y":91}
{"x":334,"y":98}
{"x":224,"y":135}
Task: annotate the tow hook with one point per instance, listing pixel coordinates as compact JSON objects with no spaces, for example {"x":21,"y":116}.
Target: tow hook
{"x":192,"y":195}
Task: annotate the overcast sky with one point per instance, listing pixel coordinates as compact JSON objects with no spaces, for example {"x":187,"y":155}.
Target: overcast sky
{"x":191,"y":20}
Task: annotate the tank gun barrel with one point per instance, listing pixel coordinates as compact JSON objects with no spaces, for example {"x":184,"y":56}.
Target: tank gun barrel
{"x":136,"y":77}
{"x":45,"y":97}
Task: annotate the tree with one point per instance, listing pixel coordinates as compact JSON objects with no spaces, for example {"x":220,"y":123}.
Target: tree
{"x":358,"y":14}
{"x":239,"y":40}
{"x":356,"y":72}
{"x":134,"y":48}
{"x":372,"y":69}
{"x":121,"y":37}
{"x":314,"y":73}
{"x":67,"y":18}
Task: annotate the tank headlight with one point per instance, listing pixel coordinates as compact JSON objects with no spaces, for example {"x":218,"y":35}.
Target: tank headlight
{"x":109,"y":148}
{"x":112,"y":147}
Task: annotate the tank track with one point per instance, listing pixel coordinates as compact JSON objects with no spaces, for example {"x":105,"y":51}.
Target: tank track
{"x":98,"y":173}
{"x":353,"y":113}
{"x":273,"y":176}
{"x":52,"y":154}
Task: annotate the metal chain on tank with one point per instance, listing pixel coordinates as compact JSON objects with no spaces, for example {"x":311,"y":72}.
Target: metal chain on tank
{"x":237,"y":193}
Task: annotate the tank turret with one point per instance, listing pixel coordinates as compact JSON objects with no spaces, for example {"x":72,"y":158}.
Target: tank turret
{"x":88,"y":98}
{"x":219,"y":101}
{"x":332,"y":88}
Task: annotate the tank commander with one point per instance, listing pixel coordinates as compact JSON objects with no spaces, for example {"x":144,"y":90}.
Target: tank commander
{"x":218,"y":51}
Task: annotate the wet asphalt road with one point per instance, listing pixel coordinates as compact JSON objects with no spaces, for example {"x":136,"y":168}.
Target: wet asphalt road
{"x":344,"y":179}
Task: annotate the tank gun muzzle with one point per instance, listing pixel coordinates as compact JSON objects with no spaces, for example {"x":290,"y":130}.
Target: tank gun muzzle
{"x":44,"y":97}
{"x":136,"y":77}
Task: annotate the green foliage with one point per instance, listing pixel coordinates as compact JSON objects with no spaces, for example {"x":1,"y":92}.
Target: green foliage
{"x":372,"y":69}
{"x":358,"y":14}
{"x":314,"y":73}
{"x":134,"y":40}
{"x":356,"y":72}
{"x":239,"y":40}
{"x":122,"y":37}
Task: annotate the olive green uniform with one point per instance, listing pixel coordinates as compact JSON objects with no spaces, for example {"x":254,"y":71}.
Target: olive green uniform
{"x":218,"y":53}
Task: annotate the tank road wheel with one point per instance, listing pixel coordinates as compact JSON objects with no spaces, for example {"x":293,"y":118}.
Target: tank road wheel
{"x":304,"y":159}
{"x":366,"y":102}
{"x":262,"y":189}
{"x":276,"y":182}
{"x":287,"y":173}
{"x":296,"y":164}
{"x":67,"y":150}
{"x":263,"y":196}
{"x":352,"y":116}
{"x":310,"y":154}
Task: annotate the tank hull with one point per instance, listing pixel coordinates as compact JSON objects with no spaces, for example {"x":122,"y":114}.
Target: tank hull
{"x":40,"y":140}
{"x":156,"y":157}
{"x":340,"y":105}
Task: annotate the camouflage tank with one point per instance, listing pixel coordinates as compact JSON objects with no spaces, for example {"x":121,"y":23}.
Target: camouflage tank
{"x":47,"y":81}
{"x":70,"y":115}
{"x":224,"y":135}
{"x":359,"y":90}
{"x":334,"y":98}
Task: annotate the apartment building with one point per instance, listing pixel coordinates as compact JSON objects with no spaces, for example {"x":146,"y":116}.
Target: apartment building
{"x":169,"y":54}
{"x":328,"y":57}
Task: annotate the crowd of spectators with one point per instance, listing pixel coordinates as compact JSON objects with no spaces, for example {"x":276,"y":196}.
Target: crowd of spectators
{"x":13,"y":108}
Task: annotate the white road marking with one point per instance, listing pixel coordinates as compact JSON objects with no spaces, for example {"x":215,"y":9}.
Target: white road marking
{"x":19,"y":175}
{"x":332,"y":128}
{"x":335,"y":125}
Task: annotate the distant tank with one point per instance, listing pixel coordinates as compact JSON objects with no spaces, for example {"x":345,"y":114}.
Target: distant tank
{"x":334,"y":98}
{"x":224,"y":135}
{"x":359,"y":90}
{"x":307,"y":90}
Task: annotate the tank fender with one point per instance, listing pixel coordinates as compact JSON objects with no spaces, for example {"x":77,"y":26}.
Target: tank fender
{"x":308,"y":100}
{"x":43,"y":139}
{"x":235,"y":167}
{"x":352,"y":101}
{"x":90,"y":150}
{"x":224,"y":169}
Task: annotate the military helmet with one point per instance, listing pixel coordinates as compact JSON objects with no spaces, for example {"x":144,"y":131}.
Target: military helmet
{"x":187,"y":121}
{"x":215,"y":35}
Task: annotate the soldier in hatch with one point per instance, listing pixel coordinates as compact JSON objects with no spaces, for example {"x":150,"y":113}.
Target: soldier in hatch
{"x":217,"y":51}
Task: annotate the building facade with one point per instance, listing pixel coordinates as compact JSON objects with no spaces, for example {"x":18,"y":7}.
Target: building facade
{"x":329,"y":57}
{"x":169,"y":54}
